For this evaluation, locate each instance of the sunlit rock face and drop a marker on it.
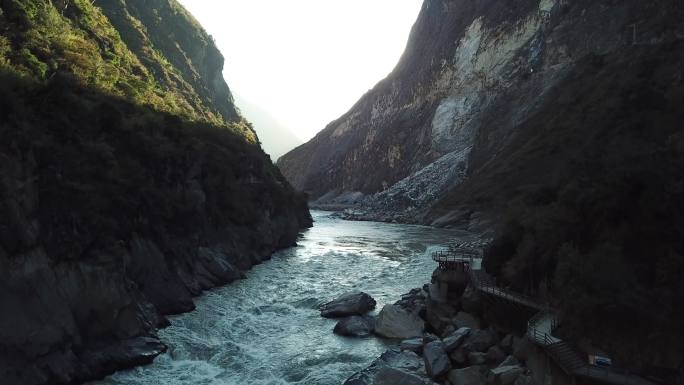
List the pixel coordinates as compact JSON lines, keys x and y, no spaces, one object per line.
{"x":466,"y":62}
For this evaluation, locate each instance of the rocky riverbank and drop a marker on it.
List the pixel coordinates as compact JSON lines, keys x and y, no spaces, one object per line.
{"x":442,"y":342}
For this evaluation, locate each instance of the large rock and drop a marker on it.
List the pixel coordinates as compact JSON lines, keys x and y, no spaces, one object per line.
{"x":439,"y":315}
{"x":395,"y":322}
{"x":471,"y":375}
{"x":454,"y":340}
{"x":356,"y":303}
{"x":505,"y":375}
{"x":414,"y":345}
{"x":355,"y":326}
{"x":480,"y":340}
{"x":467,"y":320}
{"x":413,"y":301}
{"x":392,"y":368}
{"x":436,"y":360}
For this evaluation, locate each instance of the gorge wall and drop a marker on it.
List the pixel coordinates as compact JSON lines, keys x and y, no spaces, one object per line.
{"x":553,"y":126}
{"x":129,"y":183}
{"x":423,"y":127}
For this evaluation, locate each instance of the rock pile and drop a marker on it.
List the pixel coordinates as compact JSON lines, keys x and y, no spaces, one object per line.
{"x":456,"y":345}
{"x":353,"y":306}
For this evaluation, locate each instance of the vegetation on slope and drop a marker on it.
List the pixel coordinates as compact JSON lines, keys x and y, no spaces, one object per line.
{"x":104,"y":168}
{"x":41,"y":38}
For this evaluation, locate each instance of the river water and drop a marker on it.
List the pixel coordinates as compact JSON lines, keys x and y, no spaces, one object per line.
{"x":266,"y":329}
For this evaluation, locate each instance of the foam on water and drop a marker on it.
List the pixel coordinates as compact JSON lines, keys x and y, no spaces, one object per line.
{"x":266,"y":329}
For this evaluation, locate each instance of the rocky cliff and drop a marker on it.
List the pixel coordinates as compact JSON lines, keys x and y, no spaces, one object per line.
{"x":129,"y":183}
{"x":555,"y":123}
{"x":465,"y":62}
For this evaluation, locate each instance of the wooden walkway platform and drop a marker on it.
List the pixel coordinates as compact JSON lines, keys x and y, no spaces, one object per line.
{"x":541,"y":326}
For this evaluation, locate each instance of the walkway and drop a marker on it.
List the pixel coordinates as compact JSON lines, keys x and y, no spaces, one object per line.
{"x":541,"y":326}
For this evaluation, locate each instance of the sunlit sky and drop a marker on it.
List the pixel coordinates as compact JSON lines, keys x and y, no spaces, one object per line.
{"x":306,"y":62}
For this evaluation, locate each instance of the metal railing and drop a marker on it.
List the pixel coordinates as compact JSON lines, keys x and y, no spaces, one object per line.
{"x":564,"y":354}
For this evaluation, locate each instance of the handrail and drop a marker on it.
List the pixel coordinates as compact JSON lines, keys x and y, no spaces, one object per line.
{"x":565,"y":355}
{"x":450,"y":256}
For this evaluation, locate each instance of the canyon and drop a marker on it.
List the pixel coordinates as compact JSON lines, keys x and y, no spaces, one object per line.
{"x":551,"y":127}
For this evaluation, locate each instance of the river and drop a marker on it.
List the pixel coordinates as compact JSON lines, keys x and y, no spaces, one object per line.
{"x":266,"y":329}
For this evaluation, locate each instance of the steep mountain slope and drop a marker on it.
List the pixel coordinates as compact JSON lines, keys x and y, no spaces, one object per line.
{"x":465,"y":61}
{"x":557,"y":123}
{"x":128,"y":184}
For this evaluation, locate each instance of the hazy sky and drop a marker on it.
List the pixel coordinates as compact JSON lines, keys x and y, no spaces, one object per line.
{"x":306,"y":62}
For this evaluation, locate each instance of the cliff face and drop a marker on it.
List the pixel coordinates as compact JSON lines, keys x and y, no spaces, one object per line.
{"x":128,"y":184}
{"x":465,"y":62}
{"x":557,"y":123}
{"x":166,"y":26}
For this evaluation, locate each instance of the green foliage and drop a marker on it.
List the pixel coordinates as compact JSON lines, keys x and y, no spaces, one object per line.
{"x":106,"y":169}
{"x":76,"y":37}
{"x":5,"y":50}
{"x":36,"y":67}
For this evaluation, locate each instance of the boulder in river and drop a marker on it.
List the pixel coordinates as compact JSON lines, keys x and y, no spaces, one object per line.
{"x":355,"y":326}
{"x":393,"y":367}
{"x":395,"y":322}
{"x":355,"y":303}
{"x":436,"y":360}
